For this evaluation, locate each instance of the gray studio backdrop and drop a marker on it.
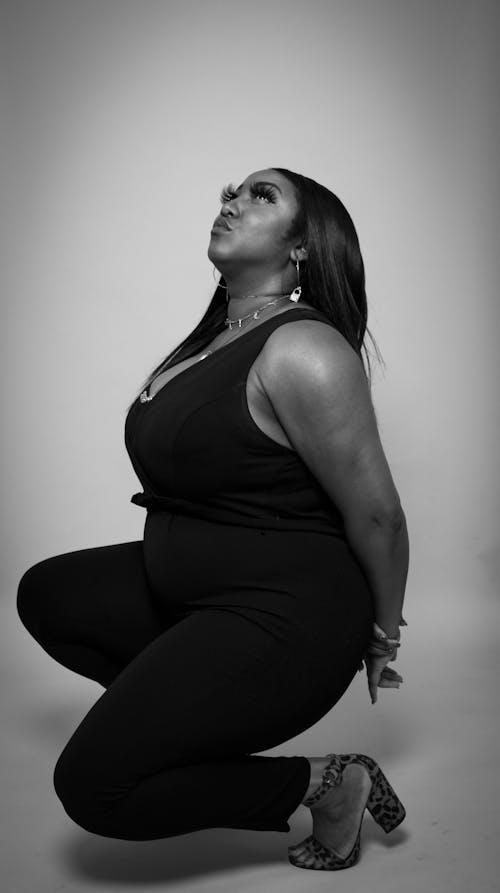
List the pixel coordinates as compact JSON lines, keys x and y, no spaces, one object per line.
{"x":123,"y":122}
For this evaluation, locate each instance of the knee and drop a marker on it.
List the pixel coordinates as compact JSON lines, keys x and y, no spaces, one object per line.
{"x":40,"y":598}
{"x":63,"y":780}
{"x":77,"y":792}
{"x":31,"y":600}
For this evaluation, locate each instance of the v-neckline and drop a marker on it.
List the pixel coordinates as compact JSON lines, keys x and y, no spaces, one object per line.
{"x":219,"y":350}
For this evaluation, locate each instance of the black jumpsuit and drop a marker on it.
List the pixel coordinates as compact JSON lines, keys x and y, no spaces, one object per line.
{"x":235,"y":625}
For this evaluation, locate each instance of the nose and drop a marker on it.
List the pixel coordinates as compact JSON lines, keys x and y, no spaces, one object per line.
{"x":229,"y":208}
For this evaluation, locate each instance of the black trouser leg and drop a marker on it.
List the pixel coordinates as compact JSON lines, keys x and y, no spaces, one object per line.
{"x":91,"y":609}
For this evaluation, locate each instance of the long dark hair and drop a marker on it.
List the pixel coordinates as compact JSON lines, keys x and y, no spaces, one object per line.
{"x":332,"y":278}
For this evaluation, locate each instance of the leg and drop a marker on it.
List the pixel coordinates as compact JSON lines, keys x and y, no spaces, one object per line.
{"x":167,"y":749}
{"x":350,"y":783}
{"x":336,"y":817}
{"x":91,"y":609}
{"x":265,"y":649}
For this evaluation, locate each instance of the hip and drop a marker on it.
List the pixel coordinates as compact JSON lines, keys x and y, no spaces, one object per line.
{"x":194,"y":561}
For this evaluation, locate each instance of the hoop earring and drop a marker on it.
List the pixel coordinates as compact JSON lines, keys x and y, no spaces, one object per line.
{"x":296,"y":293}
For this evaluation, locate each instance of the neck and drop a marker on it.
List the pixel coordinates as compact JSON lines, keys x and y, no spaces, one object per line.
{"x":268,"y":307}
{"x":247,"y":293}
{"x":248,"y":306}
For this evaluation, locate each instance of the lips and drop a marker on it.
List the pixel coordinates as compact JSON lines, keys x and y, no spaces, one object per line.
{"x":220,"y":223}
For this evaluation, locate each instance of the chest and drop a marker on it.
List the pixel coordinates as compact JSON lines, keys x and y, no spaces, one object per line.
{"x":259,"y":405}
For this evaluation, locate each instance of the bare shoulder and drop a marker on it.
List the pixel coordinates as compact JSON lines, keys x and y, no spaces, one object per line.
{"x":318,"y":389}
{"x":311,"y":352}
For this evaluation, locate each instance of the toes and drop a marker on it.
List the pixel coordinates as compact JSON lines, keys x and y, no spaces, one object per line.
{"x":299,"y":863}
{"x":307,"y":861}
{"x":302,"y":857}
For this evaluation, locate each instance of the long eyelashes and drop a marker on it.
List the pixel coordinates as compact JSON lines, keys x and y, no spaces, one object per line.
{"x":263,"y":190}
{"x":257,"y":190}
{"x":228,"y":193}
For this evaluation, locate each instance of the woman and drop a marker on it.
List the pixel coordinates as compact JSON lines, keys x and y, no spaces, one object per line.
{"x":274,"y":558}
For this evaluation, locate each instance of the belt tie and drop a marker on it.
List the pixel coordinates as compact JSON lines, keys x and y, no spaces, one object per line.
{"x":168,"y":503}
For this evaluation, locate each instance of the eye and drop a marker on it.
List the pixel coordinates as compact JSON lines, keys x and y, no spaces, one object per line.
{"x":263,"y":190}
{"x":227,"y":193}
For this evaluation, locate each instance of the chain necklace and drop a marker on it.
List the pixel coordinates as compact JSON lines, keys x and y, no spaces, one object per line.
{"x":255,"y":313}
{"x":239,"y":320}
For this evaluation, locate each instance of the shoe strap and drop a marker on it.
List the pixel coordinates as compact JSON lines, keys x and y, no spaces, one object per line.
{"x":332,"y":776}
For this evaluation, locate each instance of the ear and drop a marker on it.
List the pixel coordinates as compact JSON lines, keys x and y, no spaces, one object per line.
{"x":298,"y":253}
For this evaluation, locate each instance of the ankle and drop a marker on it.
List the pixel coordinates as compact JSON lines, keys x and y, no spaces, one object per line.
{"x":318,"y":765}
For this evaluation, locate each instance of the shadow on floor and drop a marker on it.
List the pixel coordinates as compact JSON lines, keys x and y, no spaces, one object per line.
{"x":202,"y":853}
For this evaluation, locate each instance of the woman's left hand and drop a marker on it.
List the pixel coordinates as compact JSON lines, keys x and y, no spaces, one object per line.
{"x":379,"y":674}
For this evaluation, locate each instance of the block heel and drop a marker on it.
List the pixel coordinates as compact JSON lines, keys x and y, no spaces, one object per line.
{"x":383,"y":804}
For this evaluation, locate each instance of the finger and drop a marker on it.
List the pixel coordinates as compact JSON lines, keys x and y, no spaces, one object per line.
{"x":391,"y":678}
{"x":372,"y":688}
{"x":373,"y":681}
{"x":389,"y":673}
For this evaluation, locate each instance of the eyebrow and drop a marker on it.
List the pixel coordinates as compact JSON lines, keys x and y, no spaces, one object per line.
{"x":262,"y":183}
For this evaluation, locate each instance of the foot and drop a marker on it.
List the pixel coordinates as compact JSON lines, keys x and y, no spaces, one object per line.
{"x":337,"y":817}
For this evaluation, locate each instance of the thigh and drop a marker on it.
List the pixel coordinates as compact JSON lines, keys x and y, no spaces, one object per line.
{"x":97,"y":597}
{"x":212,"y":686}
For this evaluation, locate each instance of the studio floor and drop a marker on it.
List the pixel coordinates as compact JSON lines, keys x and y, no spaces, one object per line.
{"x":436,"y":739}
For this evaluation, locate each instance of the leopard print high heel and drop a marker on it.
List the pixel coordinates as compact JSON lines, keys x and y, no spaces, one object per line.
{"x":382,"y":803}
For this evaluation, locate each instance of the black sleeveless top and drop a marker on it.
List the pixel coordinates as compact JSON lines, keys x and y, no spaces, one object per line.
{"x":197,"y":450}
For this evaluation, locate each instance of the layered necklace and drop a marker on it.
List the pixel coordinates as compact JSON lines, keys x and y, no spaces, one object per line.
{"x":253,"y":315}
{"x":146,"y":398}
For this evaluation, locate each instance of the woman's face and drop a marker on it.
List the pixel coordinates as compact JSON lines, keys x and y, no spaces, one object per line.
{"x":252,"y":227}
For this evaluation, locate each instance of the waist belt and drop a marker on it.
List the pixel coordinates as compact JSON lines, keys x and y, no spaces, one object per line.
{"x":177,"y":505}
{"x":167,"y":503}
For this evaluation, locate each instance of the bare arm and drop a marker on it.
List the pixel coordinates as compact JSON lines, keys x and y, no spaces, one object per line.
{"x":382,"y":549}
{"x":317,"y":387}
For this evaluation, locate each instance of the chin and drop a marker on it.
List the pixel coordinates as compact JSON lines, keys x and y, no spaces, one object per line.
{"x":214,"y":255}
{"x":212,"y":251}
